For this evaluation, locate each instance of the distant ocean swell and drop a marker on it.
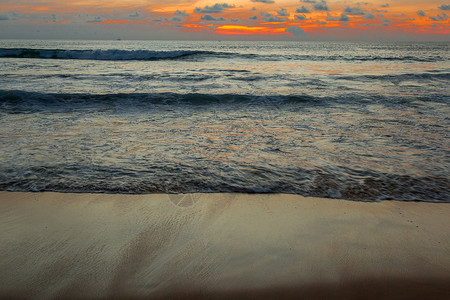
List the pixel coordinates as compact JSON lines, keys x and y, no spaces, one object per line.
{"x":142,"y":55}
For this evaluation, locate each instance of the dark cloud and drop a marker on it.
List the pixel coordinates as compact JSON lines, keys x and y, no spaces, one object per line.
{"x":421,"y":13}
{"x":264,"y":1}
{"x":380,"y":10}
{"x":296,"y":31}
{"x":369,"y":16}
{"x":4,"y":17}
{"x":135,"y":15}
{"x":234,"y":20}
{"x":344,"y":18}
{"x":385,"y":5}
{"x":255,"y":17}
{"x":271,"y":18}
{"x":181,"y":13}
{"x":444,"y":7}
{"x":353,"y":11}
{"x":442,"y":17}
{"x":302,"y":10}
{"x":275,"y":19}
{"x":283,"y":12}
{"x":321,"y":6}
{"x":215,"y":9}
{"x":176,"y":19}
{"x":211,"y":18}
{"x":309,"y":1}
{"x":96,"y":19}
{"x":300,"y":17}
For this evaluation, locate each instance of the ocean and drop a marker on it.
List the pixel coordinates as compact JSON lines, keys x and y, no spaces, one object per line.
{"x":357,"y":121}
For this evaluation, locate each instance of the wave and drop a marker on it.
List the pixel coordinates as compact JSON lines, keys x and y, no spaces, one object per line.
{"x":13,"y":101}
{"x":143,"y":55}
{"x":29,"y":102}
{"x":97,"y":54}
{"x":341,"y":183}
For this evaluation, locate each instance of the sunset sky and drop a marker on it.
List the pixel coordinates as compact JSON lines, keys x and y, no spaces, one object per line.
{"x":209,"y":20}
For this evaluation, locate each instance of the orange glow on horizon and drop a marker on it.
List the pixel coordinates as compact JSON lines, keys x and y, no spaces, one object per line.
{"x":245,"y":30}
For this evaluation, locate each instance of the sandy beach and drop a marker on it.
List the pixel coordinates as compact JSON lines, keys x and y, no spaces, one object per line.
{"x":221,"y":246}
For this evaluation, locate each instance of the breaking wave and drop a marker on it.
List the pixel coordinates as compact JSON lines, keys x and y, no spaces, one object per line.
{"x":142,"y":55}
{"x":97,"y":54}
{"x":340,"y":183}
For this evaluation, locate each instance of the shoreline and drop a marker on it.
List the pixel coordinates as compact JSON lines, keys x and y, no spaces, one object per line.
{"x":220,"y":246}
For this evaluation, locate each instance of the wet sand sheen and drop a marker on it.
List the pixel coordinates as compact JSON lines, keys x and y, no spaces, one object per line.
{"x":221,"y":246}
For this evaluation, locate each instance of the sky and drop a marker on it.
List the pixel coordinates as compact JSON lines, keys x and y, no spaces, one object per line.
{"x":374,"y":20}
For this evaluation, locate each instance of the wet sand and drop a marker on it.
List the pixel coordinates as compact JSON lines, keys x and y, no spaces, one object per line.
{"x":221,"y":246}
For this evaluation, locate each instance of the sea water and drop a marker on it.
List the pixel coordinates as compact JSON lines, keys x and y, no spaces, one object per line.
{"x":361,"y":121}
